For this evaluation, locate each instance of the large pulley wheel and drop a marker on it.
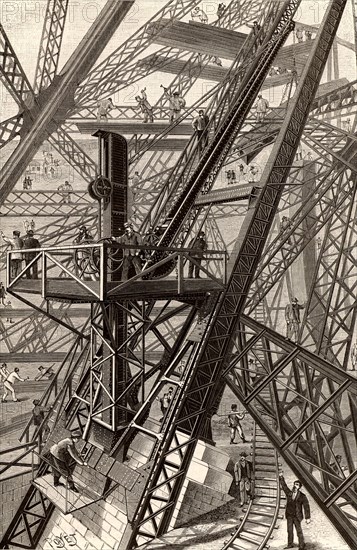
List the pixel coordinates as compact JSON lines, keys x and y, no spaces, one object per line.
{"x":100,"y":188}
{"x":115,"y":257}
{"x":83,"y":259}
{"x":161,"y":271}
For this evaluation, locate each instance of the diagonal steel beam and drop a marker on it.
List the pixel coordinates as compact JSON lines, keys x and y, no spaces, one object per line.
{"x":50,"y":46}
{"x":52,"y":108}
{"x":12,"y":74}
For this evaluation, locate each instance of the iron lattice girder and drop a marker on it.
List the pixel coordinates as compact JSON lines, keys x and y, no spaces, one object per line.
{"x":74,"y":154}
{"x":281,"y":254}
{"x":331,"y":310}
{"x":9,"y":129}
{"x":47,"y":204}
{"x":40,"y":331}
{"x":203,"y":381}
{"x":28,"y":525}
{"x":234,"y":99}
{"x":325,"y":199}
{"x":319,"y":135}
{"x":354,"y":13}
{"x":103,"y":80}
{"x":186,"y":78}
{"x":12,"y":74}
{"x":342,"y":99}
{"x":53,"y":112}
{"x":291,"y":374}
{"x":50,"y":46}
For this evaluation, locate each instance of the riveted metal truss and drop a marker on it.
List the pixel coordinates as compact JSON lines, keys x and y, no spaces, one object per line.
{"x":12,"y":74}
{"x":9,"y":129}
{"x":103,"y":80}
{"x":313,"y":404}
{"x":51,"y":40}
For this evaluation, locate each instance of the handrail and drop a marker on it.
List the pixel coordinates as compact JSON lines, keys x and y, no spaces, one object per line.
{"x":115,"y":245}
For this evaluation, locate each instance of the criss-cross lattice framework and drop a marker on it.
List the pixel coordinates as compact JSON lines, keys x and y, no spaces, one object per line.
{"x":336,"y":499}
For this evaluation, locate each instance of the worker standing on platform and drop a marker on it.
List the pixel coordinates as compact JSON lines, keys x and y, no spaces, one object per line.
{"x":104,"y":108}
{"x":199,"y":124}
{"x":65,"y":190}
{"x":9,"y":384}
{"x":261,"y":107}
{"x":16,"y":243}
{"x":292,"y":317}
{"x":234,"y":423}
{"x":243,"y":478}
{"x":64,"y":457}
{"x":197,"y":13}
{"x":198,"y":246}
{"x":176,"y":103}
{"x":253,"y":172}
{"x":145,"y":107}
{"x":31,"y":242}
{"x":131,"y":256}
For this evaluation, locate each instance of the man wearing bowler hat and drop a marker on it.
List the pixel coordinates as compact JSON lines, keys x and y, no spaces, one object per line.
{"x":297,"y":505}
{"x":31,"y":242}
{"x":243,"y":477}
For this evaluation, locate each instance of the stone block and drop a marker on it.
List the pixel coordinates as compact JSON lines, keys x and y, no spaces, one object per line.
{"x":197,"y":471}
{"x":215,"y":457}
{"x":117,"y":532}
{"x":107,"y":539}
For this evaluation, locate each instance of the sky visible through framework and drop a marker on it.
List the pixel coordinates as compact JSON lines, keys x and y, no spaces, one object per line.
{"x":23,"y":20}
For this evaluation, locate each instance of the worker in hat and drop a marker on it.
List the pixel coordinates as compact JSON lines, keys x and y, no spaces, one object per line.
{"x":234,"y":423}
{"x":38,"y":417}
{"x":243,"y":478}
{"x":16,"y":243}
{"x":31,"y":242}
{"x":198,"y":245}
{"x":200,"y":125}
{"x":131,"y":255}
{"x":176,"y":103}
{"x":292,"y":317}
{"x":64,"y":457}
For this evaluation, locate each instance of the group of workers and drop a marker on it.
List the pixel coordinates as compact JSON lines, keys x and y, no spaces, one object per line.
{"x":17,"y":243}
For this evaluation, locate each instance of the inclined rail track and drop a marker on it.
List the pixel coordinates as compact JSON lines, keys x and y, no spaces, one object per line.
{"x":261,"y":514}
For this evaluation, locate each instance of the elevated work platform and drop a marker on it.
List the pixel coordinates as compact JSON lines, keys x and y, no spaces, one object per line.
{"x":216,"y":41}
{"x":73,"y":292}
{"x":133,"y":127}
{"x":105,"y":272}
{"x":198,"y":37}
{"x":209,"y":72}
